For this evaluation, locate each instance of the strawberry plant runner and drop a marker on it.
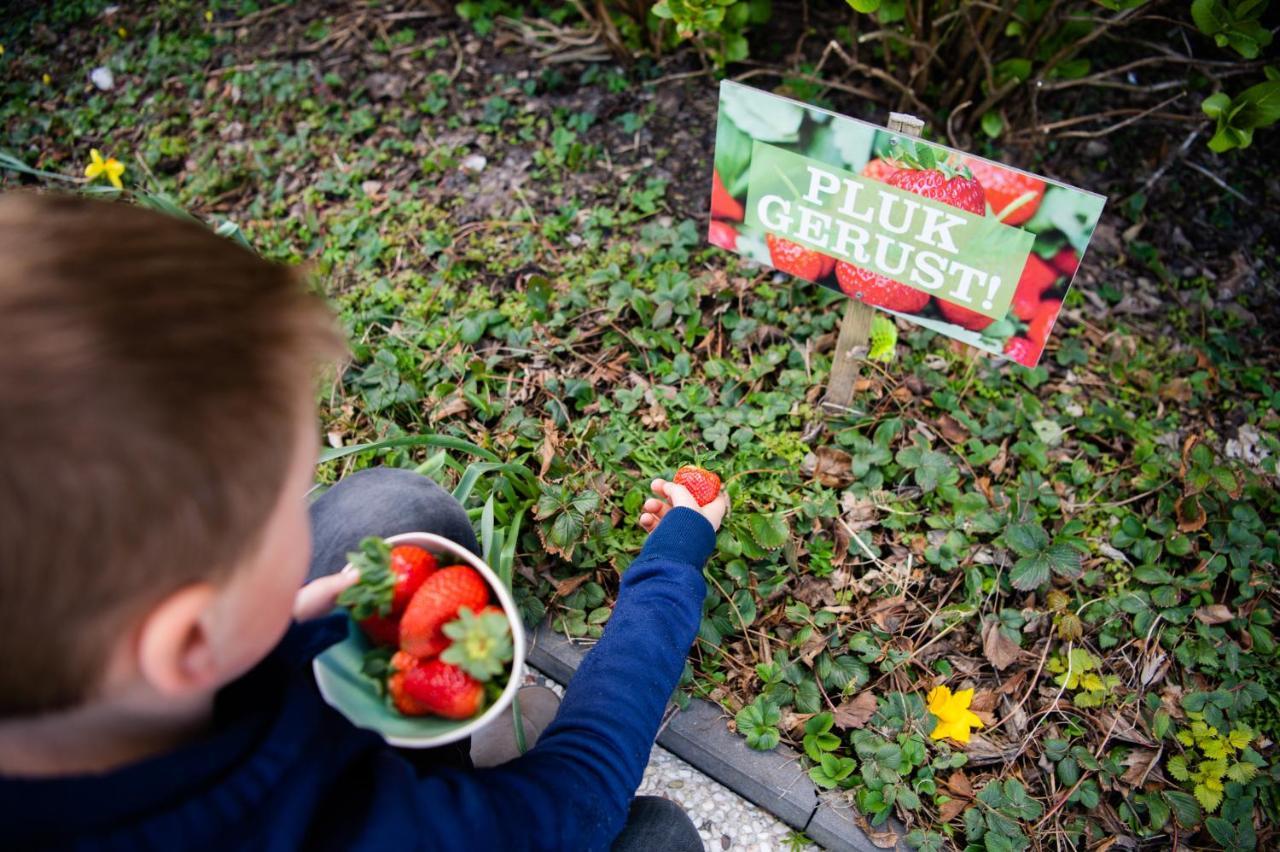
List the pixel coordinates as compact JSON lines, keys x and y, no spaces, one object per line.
{"x":855,"y":327}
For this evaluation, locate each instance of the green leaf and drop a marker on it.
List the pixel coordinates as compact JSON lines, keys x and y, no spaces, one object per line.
{"x":758,"y":723}
{"x":1262,"y":105}
{"x":932,"y":470}
{"x":819,"y":724}
{"x":1019,"y":804}
{"x":866,"y":7}
{"x":481,"y":643}
{"x":446,"y":441}
{"x":1048,"y":431}
{"x":1208,"y":798}
{"x":1026,"y":539}
{"x":1185,"y":808}
{"x":372,"y":594}
{"x":1216,"y":104}
{"x":768,"y":531}
{"x":992,"y":124}
{"x":1017,"y":68}
{"x":1210,"y":16}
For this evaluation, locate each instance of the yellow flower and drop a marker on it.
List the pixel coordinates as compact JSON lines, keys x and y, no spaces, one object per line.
{"x":208,"y":15}
{"x":954,"y":716}
{"x":46,"y":79}
{"x":122,"y":32}
{"x":111,"y":167}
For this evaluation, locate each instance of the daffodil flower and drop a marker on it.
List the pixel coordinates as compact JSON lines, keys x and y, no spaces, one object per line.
{"x":954,"y":716}
{"x":111,"y":167}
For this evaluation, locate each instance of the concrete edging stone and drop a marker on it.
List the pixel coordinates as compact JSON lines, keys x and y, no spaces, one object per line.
{"x":773,"y":780}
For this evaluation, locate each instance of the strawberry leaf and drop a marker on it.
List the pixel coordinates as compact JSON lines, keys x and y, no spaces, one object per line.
{"x":481,"y":643}
{"x":372,"y":594}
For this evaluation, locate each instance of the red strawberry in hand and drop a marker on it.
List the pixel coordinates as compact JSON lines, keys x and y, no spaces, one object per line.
{"x":444,"y":690}
{"x":1005,"y":186}
{"x":724,"y":205}
{"x":435,"y":604}
{"x":1022,"y":350}
{"x":1042,"y":322}
{"x":875,"y":289}
{"x":388,"y":579}
{"x":700,"y":482}
{"x":795,"y":259}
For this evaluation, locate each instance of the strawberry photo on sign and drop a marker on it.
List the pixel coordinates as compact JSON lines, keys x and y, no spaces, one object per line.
{"x":966,"y":247}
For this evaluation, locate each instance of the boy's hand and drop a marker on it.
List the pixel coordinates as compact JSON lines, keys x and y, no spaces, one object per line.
{"x":319,"y":597}
{"x":671,"y":495}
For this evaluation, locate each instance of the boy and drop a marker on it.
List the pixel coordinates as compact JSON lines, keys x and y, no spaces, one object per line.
{"x":158,"y":432}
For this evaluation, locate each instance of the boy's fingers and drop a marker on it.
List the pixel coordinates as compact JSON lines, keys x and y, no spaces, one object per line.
{"x":648,"y":522}
{"x":716,"y":510}
{"x":319,"y":597}
{"x":655,"y":507}
{"x":680,"y":496}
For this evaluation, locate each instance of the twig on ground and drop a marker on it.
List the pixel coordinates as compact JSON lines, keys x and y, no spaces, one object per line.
{"x":1220,"y":182}
{"x":1172,"y":158}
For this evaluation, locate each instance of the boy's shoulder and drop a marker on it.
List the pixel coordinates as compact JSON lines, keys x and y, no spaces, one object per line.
{"x":276,"y":761}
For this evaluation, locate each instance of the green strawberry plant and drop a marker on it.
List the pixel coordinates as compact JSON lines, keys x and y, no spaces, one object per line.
{"x":1214,"y":759}
{"x":995,"y":821}
{"x":758,"y":722}
{"x":1078,"y":673}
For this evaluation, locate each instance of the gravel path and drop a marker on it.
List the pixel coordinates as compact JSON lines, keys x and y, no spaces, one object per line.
{"x":726,"y":821}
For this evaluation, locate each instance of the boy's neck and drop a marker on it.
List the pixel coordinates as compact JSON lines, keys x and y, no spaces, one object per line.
{"x":98,"y":737}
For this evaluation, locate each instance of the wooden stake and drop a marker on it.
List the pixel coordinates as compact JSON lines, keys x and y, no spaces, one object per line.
{"x":855,"y":327}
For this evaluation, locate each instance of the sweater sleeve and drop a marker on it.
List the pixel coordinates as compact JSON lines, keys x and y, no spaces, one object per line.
{"x":573,"y":790}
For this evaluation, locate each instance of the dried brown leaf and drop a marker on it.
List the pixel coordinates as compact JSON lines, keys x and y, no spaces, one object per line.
{"x":951,"y":809}
{"x":1002,"y":458}
{"x":984,"y":701}
{"x":814,"y":591}
{"x":951,"y":429}
{"x":455,"y":404}
{"x":958,"y":785}
{"x":1191,"y":514}
{"x":550,"y":440}
{"x":855,"y":712}
{"x":1000,"y":650}
{"x":568,"y":586}
{"x":830,"y":466}
{"x":1214,"y":614}
{"x":882,"y":839}
{"x":1139,"y":761}
{"x":812,"y":648}
{"x":982,"y":750}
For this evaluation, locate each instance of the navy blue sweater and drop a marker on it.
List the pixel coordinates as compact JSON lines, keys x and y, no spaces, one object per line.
{"x":282,"y":770}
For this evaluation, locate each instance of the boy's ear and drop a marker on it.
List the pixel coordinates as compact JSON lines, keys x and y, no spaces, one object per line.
{"x":174,"y":651}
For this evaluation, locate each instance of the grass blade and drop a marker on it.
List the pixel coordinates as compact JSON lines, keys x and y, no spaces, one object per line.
{"x":447,"y":441}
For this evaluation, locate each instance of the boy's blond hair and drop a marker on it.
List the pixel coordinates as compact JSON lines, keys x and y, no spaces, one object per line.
{"x":152,"y":375}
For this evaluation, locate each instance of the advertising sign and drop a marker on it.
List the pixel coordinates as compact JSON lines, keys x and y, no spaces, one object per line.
{"x":965,"y":246}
